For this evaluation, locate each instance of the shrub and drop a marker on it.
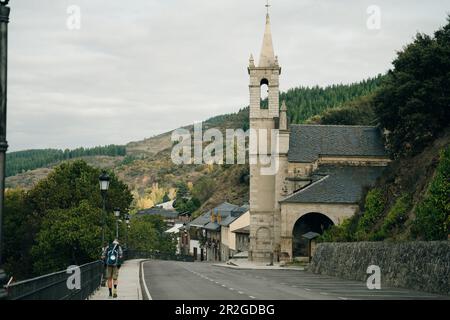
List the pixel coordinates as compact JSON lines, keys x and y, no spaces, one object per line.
{"x":433,"y":213}
{"x":398,"y":213}
{"x":374,"y":206}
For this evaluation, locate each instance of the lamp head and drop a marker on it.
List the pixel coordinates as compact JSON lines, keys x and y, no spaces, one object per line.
{"x":104,"y":180}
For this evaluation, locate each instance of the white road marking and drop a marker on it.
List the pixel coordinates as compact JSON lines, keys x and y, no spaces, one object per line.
{"x":145,"y":284}
{"x":240,"y":292}
{"x":251,"y":297}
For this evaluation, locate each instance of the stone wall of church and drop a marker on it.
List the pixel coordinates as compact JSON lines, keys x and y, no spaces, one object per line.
{"x":291,"y":212}
{"x":261,"y":236}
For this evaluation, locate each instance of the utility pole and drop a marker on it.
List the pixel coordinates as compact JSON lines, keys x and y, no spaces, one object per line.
{"x":4,"y":19}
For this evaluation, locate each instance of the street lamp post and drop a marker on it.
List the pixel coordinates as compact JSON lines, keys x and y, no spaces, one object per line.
{"x":117,"y":215}
{"x":127,"y":221}
{"x":104,"y":186}
{"x":4,"y":19}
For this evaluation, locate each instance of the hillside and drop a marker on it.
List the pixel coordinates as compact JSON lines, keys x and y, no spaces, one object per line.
{"x":22,"y":161}
{"x":397,"y":208}
{"x":146,"y":166}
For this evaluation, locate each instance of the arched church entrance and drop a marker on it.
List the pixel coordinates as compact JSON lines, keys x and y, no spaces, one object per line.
{"x":315,"y":222}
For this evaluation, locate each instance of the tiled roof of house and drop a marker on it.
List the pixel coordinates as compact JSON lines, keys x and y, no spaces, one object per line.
{"x":308,"y":142}
{"x":337,"y":184}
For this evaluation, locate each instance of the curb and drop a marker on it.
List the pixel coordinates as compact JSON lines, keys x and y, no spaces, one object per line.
{"x":258,"y":268}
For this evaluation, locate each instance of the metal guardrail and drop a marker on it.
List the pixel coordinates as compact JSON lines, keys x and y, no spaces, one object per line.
{"x":54,"y":286}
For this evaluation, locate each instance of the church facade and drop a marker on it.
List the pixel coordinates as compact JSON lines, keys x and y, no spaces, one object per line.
{"x":322,"y":171}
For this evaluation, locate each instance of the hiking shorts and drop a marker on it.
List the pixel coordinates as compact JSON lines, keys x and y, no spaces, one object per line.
{"x":112,"y":272}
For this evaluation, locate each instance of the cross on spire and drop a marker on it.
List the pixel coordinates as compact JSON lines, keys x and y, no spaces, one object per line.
{"x":268,"y":6}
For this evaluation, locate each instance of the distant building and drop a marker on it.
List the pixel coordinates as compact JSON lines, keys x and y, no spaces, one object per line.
{"x":166,"y":205}
{"x":239,"y":234}
{"x":242,"y":239}
{"x":176,"y":230}
{"x":214,"y":228}
{"x":170,"y":216}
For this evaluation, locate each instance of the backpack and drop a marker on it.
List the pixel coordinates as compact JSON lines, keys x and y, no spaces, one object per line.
{"x":112,"y":256}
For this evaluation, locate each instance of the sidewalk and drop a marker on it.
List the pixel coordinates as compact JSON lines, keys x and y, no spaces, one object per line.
{"x":245,"y":264}
{"x":128,"y":288}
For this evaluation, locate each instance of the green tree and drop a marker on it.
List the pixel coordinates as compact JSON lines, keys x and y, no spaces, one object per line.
{"x":72,"y":182}
{"x":166,"y":198}
{"x":182,"y":190}
{"x":357,"y":112}
{"x":68,"y":236}
{"x":433,"y":213}
{"x":413,"y":103}
{"x":19,"y":227}
{"x":373,"y":208}
{"x":147,"y":233}
{"x":204,"y":188}
{"x":57,"y":223}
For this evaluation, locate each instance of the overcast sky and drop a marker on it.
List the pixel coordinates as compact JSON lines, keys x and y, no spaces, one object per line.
{"x":140,"y":67}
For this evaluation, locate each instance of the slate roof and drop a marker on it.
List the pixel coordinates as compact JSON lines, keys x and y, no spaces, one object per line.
{"x":228,"y":212}
{"x":224,"y":209}
{"x":308,"y":142}
{"x":244,"y":230}
{"x":228,"y":220}
{"x":240,"y":210}
{"x":213,"y":226}
{"x":336,"y":184}
{"x":165,"y":213}
{"x":201,"y":220}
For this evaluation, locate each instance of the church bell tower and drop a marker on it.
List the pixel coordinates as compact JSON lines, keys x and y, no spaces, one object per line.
{"x":264,"y":116}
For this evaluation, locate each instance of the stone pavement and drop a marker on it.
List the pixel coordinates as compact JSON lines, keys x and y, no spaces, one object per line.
{"x":244,"y":264}
{"x":128,"y":288}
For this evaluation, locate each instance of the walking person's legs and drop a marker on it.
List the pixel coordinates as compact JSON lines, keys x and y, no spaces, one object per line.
{"x":115,"y":277}
{"x":109,"y":277}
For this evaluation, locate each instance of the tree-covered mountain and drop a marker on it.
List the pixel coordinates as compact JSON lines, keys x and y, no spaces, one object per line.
{"x":20,"y":161}
{"x":304,"y":102}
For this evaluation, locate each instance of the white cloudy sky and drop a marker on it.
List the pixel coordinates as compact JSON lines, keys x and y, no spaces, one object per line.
{"x":141,"y":67}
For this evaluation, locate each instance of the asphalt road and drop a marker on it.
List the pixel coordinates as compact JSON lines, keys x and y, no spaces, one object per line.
{"x":170,"y":280}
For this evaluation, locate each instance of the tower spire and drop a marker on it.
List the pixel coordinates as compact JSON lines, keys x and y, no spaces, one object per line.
{"x":267,"y":56}
{"x":268,"y":6}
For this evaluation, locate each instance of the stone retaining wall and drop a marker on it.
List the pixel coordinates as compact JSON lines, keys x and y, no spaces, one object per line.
{"x":415,"y":265}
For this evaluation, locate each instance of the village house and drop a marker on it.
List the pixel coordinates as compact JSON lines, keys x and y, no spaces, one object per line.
{"x":213,"y":228}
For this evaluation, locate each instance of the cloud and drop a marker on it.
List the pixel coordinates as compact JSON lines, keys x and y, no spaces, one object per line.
{"x":143,"y":67}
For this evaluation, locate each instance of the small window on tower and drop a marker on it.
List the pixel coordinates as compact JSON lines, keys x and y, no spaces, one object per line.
{"x":264,"y":94}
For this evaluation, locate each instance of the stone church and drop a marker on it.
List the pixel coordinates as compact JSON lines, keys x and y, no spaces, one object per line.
{"x":322,"y":173}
